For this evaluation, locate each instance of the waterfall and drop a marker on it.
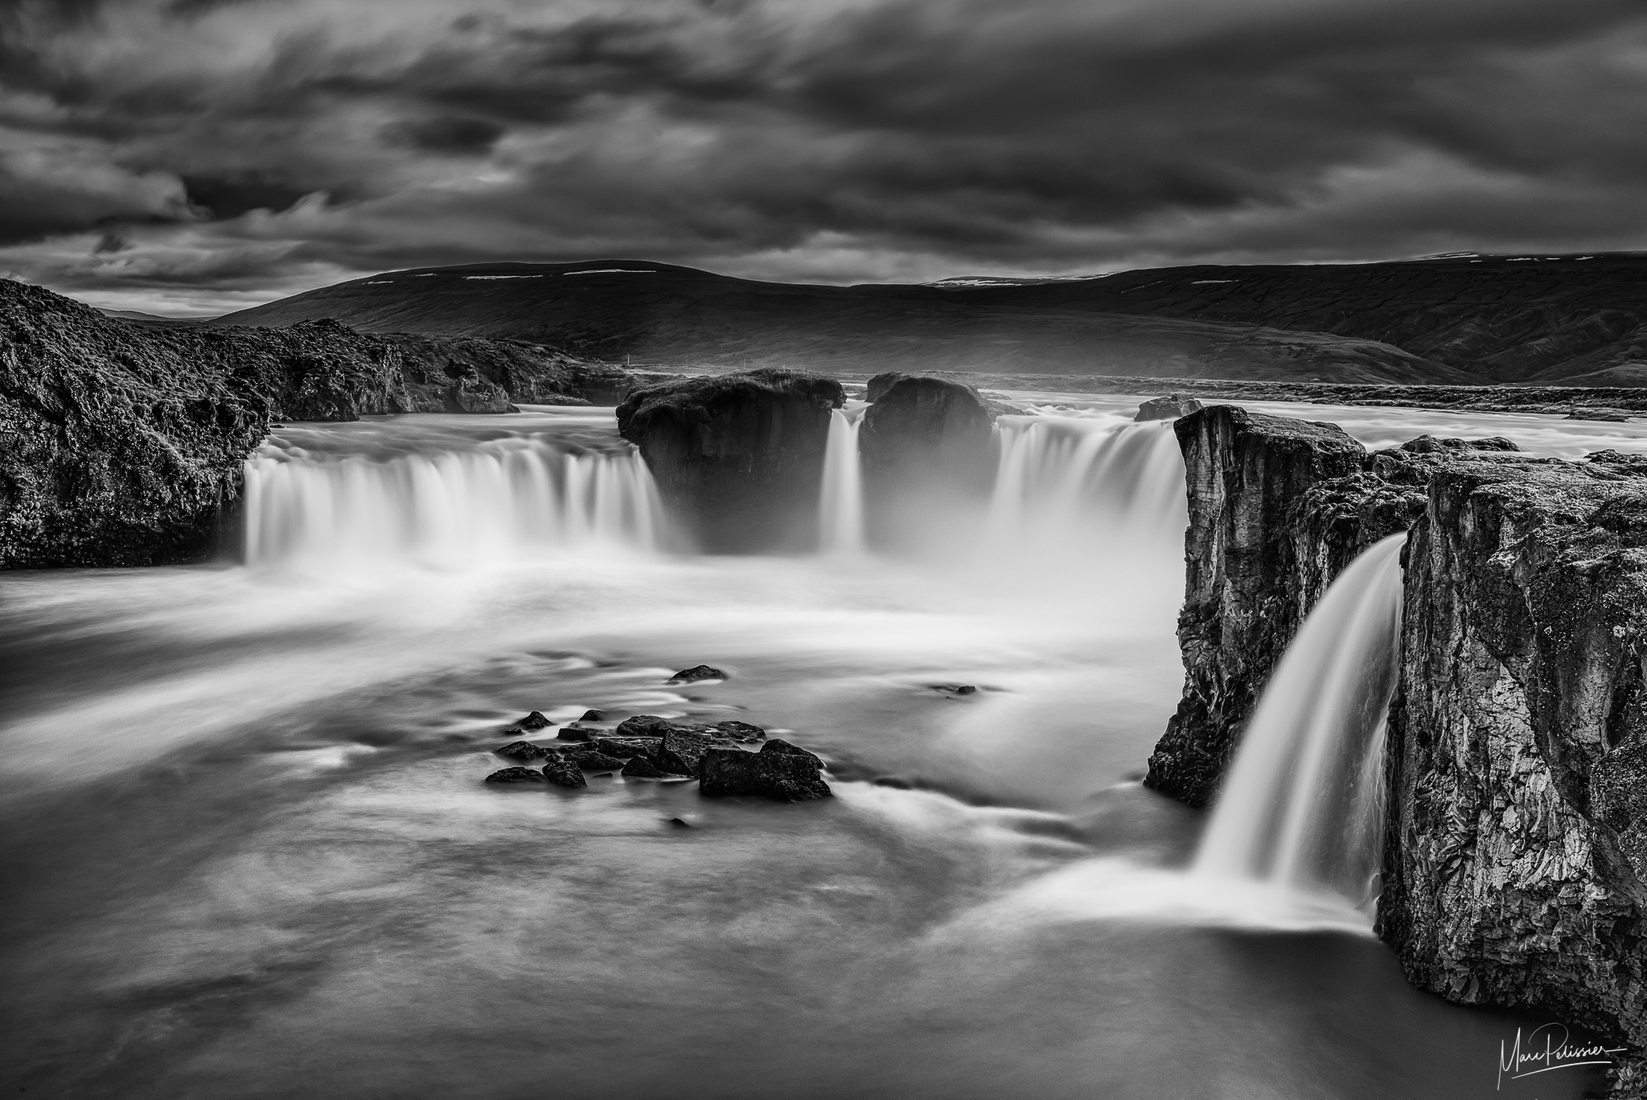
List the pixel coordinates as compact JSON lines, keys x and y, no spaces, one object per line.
{"x":1302,"y":805}
{"x":841,"y":503}
{"x":493,"y":500}
{"x":1058,"y":474}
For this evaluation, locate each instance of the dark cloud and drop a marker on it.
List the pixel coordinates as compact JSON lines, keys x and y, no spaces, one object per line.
{"x":269,"y":142}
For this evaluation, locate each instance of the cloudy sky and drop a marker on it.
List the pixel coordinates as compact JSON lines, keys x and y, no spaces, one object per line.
{"x":192,"y":156}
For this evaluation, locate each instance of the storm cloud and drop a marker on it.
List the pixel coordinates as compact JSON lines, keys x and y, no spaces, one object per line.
{"x":242,"y":149}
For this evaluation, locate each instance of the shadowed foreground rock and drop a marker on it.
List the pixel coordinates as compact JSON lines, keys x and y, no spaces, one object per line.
{"x":738,"y":458}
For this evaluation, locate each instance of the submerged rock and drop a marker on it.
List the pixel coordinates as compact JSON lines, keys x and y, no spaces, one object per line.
{"x":697,"y":674}
{"x":561,"y":771}
{"x":738,"y":458}
{"x":778,"y":771}
{"x":522,"y":750}
{"x":1170,"y":407}
{"x":508,"y":776}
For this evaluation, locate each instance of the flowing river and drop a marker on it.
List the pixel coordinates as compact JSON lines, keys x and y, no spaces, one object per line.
{"x":248,"y":852}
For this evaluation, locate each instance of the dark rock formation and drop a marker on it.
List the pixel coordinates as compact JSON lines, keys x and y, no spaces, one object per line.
{"x":625,"y":747}
{"x":744,"y":732}
{"x":515,"y":776}
{"x":1170,"y":407}
{"x":643,"y":725}
{"x":738,"y":458}
{"x":596,"y":762}
{"x":928,"y":448}
{"x":696,"y":674}
{"x":1516,"y":852}
{"x":562,"y":772}
{"x":579,"y":732}
{"x":639,"y":767}
{"x":778,"y":771}
{"x":123,"y":443}
{"x":1278,"y":508}
{"x":592,"y":716}
{"x":523,"y":751}
{"x":533,"y":721}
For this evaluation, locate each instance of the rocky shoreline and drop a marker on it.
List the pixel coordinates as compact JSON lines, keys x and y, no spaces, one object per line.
{"x":1515,"y":857}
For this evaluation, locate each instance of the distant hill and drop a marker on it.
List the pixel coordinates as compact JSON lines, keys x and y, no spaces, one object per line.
{"x":145,"y":318}
{"x":1453,"y":320}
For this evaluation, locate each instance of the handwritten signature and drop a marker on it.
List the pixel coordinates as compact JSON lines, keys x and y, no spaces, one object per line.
{"x":1548,"y":1047}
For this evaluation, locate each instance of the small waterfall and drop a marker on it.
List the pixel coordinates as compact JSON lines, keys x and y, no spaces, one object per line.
{"x":841,"y":503}
{"x":1057,"y":473}
{"x":495,"y":500}
{"x":1302,"y":806}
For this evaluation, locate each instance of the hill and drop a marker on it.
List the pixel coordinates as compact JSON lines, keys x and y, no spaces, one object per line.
{"x":1454,"y":320}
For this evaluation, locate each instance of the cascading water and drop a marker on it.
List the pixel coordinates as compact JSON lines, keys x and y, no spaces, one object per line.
{"x":1057,"y":473}
{"x":1302,"y":806}
{"x":841,"y":503}
{"x":455,"y":503}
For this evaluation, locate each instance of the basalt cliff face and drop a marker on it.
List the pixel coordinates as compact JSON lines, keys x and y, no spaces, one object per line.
{"x":929,"y":452}
{"x":1278,"y":507}
{"x":1516,"y":843}
{"x":1516,"y":851}
{"x":122,"y":443}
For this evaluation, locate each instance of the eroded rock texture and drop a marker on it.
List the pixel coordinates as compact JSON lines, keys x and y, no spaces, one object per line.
{"x":1517,"y":837}
{"x":738,"y":458}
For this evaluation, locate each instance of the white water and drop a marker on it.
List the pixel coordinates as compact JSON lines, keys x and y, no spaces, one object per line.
{"x":841,"y":503}
{"x":1301,"y":808}
{"x":316,"y":497}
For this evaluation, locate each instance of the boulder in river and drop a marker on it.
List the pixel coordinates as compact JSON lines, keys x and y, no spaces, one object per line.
{"x":625,"y":747}
{"x":738,"y":458}
{"x":523,"y":751}
{"x":778,"y":771}
{"x":579,"y":732}
{"x":513,"y":776}
{"x":534,"y":721}
{"x":697,"y":674}
{"x":743,"y":732}
{"x":563,"y":772}
{"x":639,"y":767}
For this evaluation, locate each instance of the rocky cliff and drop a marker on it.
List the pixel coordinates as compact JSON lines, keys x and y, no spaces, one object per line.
{"x":120,"y":443}
{"x":1278,"y":507}
{"x":1516,"y":852}
{"x":928,"y":452}
{"x":1516,"y":845}
{"x":738,"y":458}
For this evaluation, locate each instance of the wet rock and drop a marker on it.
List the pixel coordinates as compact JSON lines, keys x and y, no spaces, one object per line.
{"x":680,"y":823}
{"x":626,"y":747}
{"x":577,"y":732}
{"x":643,"y":725}
{"x":523,"y":751}
{"x":597,"y":762}
{"x":786,"y":776}
{"x":697,"y":674}
{"x":509,"y":776}
{"x":1431,"y":444}
{"x":742,"y":732}
{"x":592,"y":716}
{"x":954,"y":689}
{"x":563,"y":772}
{"x":738,"y":458}
{"x":534,"y":721}
{"x":779,"y":747}
{"x":1170,"y":407}
{"x":681,"y":750}
{"x":639,"y":767}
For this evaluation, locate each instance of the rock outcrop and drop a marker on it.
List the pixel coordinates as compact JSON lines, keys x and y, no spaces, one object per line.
{"x":928,"y":448}
{"x":1516,"y":844}
{"x":122,"y":443}
{"x":1278,"y":507}
{"x":738,"y":458}
{"x":1516,"y":849}
{"x":1170,"y":407}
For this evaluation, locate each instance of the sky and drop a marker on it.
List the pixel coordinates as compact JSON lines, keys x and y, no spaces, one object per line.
{"x":190,"y":157}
